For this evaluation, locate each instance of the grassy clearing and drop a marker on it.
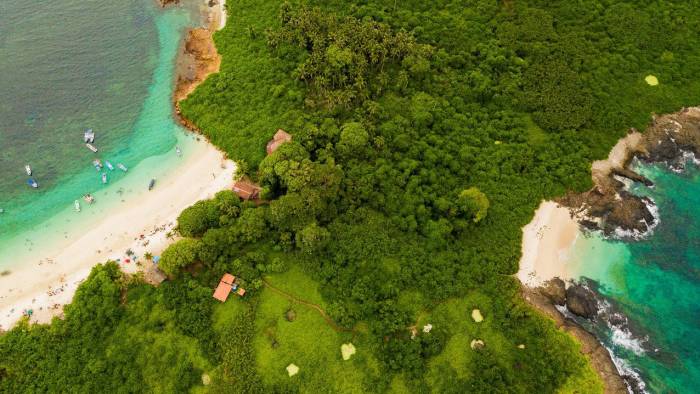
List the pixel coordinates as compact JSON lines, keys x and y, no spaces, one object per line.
{"x":308,"y":341}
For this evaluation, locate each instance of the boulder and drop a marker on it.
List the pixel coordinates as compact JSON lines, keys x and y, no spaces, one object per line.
{"x":476,"y":316}
{"x":581,"y":301}
{"x":555,"y":290}
{"x":290,"y":315}
{"x":347,"y":350}
{"x":477,"y":344}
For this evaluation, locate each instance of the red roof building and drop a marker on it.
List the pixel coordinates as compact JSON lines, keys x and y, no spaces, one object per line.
{"x":224,"y":289}
{"x":246,"y":190}
{"x":278,"y":139}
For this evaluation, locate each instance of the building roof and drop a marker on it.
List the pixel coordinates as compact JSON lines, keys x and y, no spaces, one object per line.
{"x":246,"y":190}
{"x":278,"y":139}
{"x":222,"y":291}
{"x":241,"y":291}
{"x":228,"y":279}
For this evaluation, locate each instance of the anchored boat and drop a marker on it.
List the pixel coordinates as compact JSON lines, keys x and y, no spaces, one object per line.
{"x":89,"y":136}
{"x":122,"y":167}
{"x":109,"y":165}
{"x":89,"y":198}
{"x":32,"y":182}
{"x":98,"y":164}
{"x":151,"y":184}
{"x":104,"y":177}
{"x":76,"y":204}
{"x":91,"y":147}
{"x":28,"y":170}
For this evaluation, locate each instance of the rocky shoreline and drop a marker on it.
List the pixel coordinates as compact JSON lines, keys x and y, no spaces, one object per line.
{"x":608,"y":207}
{"x":602,"y":363}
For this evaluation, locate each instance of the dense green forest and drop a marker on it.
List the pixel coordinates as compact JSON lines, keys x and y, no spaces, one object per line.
{"x":425,"y":134}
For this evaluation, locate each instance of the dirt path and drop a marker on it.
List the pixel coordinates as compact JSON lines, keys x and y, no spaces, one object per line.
{"x":320,"y":310}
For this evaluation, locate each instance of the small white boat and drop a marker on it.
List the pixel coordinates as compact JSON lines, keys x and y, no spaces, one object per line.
{"x":91,"y":147}
{"x":122,"y":167}
{"x":89,"y":136}
{"x":98,"y":164}
{"x":28,"y":169}
{"x":178,"y":151}
{"x":76,"y":204}
{"x":33,"y":183}
{"x":104,"y":177}
{"x":89,"y":198}
{"x":109,"y":165}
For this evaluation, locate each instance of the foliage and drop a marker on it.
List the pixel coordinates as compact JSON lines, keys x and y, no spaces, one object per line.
{"x":179,"y":255}
{"x":424,"y":136}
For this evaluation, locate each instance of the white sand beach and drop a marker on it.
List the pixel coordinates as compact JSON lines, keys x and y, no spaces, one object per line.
{"x":546,"y":242}
{"x":47,"y":283}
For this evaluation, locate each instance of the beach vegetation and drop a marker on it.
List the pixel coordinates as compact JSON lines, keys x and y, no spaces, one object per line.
{"x":425,"y":134}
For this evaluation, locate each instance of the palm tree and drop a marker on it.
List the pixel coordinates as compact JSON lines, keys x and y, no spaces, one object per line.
{"x":148,"y":256}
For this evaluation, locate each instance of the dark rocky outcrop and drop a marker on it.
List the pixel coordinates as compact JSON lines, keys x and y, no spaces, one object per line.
{"x":608,"y":207}
{"x":599,"y":356}
{"x":581,"y":301}
{"x":555,"y":290}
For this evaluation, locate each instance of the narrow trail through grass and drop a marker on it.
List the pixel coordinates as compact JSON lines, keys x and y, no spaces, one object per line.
{"x":318,"y":308}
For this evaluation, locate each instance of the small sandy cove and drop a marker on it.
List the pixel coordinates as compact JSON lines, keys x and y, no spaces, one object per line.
{"x":140,"y":225}
{"x":546,"y":242}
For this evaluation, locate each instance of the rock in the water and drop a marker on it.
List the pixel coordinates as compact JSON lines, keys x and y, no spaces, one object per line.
{"x":477,"y":344}
{"x":581,"y":301}
{"x":555,"y":290}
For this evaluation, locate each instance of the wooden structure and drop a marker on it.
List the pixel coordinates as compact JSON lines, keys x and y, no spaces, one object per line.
{"x":227,"y":284}
{"x":278,"y":139}
{"x":224,"y":289}
{"x":246,"y":190}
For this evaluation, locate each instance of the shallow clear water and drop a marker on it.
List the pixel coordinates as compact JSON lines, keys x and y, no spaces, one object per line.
{"x":68,"y":65}
{"x":655,"y":282}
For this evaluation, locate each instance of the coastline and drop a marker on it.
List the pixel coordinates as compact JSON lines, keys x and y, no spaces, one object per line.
{"x":609,"y":208}
{"x":46,"y":279}
{"x":46,"y":286}
{"x":547,"y":240}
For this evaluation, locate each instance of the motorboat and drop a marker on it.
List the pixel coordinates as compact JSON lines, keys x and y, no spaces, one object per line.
{"x":151,"y":184}
{"x":76,"y":204}
{"x":109,"y":165}
{"x":104,"y":177}
{"x":98,"y":164}
{"x":89,"y":198}
{"x":178,"y":151}
{"x":122,"y":167}
{"x":32,"y":182}
{"x":28,"y":169}
{"x":89,"y":136}
{"x":91,"y":147}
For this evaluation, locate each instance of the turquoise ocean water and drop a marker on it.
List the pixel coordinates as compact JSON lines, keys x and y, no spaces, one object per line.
{"x":655,"y":283}
{"x":68,"y":65}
